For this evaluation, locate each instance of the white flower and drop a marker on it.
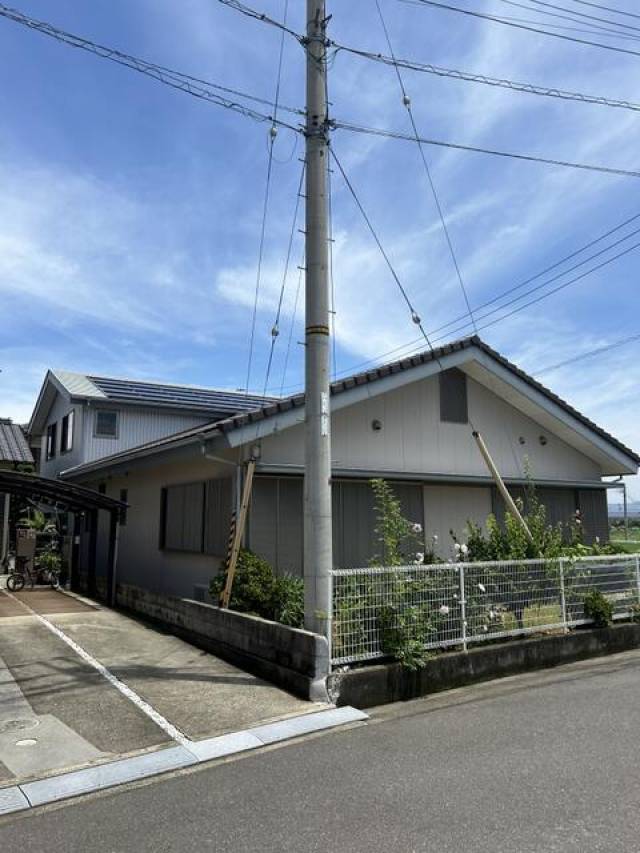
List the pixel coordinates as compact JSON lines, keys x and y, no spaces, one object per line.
{"x":444,"y":610}
{"x":456,"y":547}
{"x":455,"y":595}
{"x":416,"y":527}
{"x":484,"y":628}
{"x":597,"y":540}
{"x":419,"y":557}
{"x":434,"y":538}
{"x":492,"y":614}
{"x":482,"y":587}
{"x":464,"y":549}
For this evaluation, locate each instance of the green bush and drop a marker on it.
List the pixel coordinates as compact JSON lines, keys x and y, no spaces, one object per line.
{"x":598,"y":608}
{"x":258,"y":591}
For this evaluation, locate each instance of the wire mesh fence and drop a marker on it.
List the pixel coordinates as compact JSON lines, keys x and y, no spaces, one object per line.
{"x":455,"y":604}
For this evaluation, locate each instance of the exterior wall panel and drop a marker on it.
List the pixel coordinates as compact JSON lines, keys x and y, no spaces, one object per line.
{"x":414,"y":440}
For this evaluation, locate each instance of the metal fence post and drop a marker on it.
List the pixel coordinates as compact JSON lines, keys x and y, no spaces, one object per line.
{"x":638,"y":574}
{"x":463,"y":609}
{"x":563,"y":600}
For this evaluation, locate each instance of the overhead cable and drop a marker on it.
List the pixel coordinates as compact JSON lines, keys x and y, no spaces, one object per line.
{"x":261,"y":16}
{"x":392,"y":134}
{"x":407,"y":103}
{"x":500,"y":20}
{"x":415,"y":317}
{"x":527,"y":88}
{"x":211,"y":92}
{"x":273,"y":132}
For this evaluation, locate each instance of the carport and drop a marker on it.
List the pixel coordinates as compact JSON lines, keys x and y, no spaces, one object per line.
{"x":85,"y":505}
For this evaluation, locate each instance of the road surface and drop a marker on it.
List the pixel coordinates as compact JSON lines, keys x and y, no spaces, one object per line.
{"x":543,"y":762}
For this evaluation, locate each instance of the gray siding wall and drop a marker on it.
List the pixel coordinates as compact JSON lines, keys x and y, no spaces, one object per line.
{"x":414,"y":440}
{"x":52,"y":467}
{"x":135,"y":426}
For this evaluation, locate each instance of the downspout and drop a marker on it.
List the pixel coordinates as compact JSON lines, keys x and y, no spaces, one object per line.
{"x":622,"y":485}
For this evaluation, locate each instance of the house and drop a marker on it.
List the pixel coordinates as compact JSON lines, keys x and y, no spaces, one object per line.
{"x":14,"y":452}
{"x":410,"y":422}
{"x":78,"y":419}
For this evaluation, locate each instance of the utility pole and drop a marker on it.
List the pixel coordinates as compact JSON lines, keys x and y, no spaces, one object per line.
{"x":318,"y":551}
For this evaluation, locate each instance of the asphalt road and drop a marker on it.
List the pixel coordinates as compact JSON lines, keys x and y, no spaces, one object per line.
{"x":536,"y":763}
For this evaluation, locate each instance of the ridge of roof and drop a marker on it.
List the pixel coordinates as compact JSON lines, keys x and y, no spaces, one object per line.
{"x":285,"y":404}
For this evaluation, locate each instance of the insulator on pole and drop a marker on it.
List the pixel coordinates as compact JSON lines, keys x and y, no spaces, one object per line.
{"x":416,"y":318}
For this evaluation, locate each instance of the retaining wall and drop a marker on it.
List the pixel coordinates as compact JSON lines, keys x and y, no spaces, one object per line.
{"x":294,"y":659}
{"x":381,"y":684}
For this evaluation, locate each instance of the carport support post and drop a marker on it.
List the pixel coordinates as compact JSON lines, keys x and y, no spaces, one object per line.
{"x":5,"y":529}
{"x":318,"y":557}
{"x":114,"y":526}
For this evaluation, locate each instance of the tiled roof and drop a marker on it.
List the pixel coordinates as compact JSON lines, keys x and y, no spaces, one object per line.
{"x":13,"y":444}
{"x":284,"y":404}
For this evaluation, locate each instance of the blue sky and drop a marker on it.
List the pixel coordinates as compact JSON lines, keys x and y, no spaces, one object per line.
{"x":130,"y":214}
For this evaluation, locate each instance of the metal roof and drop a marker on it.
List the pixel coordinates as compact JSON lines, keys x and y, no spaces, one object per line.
{"x":275,"y":407}
{"x":13,"y":444}
{"x":210,"y":400}
{"x":65,"y":496}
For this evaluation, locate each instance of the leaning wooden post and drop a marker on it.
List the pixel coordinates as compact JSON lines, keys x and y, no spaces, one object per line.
{"x":225,"y":596}
{"x":513,"y":509}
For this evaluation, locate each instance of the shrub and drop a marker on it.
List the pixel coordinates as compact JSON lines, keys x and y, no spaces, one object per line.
{"x":598,"y":608}
{"x":258,"y":591}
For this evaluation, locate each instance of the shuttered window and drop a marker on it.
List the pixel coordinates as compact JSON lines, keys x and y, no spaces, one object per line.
{"x":217,"y":516}
{"x":195,"y":517}
{"x":276,"y":522}
{"x":453,"y":397}
{"x":595,"y":514}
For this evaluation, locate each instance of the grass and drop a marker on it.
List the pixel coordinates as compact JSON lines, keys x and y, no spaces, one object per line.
{"x":626,"y":546}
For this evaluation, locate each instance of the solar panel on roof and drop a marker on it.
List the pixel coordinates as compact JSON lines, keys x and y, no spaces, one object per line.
{"x":211,"y":401}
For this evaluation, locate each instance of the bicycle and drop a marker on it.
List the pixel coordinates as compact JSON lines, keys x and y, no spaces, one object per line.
{"x":19,"y":575}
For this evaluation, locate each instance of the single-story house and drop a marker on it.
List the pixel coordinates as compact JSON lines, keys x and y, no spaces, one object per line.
{"x":409,"y":422}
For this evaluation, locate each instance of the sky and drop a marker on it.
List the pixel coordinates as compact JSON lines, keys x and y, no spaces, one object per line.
{"x":131,"y":214}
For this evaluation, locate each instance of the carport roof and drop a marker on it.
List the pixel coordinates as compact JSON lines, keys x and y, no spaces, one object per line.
{"x":66,"y":496}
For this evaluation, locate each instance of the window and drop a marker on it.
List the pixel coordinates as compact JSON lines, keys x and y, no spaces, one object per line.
{"x":124,"y":497}
{"x":52,"y":430}
{"x":195,"y":517}
{"x":66,"y":433}
{"x":106,"y":424}
{"x":453,"y":397}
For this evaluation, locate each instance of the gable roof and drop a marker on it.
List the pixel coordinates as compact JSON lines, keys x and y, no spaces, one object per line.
{"x":13,"y":444}
{"x":211,"y":402}
{"x":351,"y":384}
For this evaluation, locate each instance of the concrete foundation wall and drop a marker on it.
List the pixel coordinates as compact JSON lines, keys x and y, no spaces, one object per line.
{"x":294,"y":659}
{"x":379,"y":685}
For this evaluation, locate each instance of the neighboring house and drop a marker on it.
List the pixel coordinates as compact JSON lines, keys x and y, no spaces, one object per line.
{"x":79,"y":419}
{"x":14,"y":451}
{"x":409,"y":422}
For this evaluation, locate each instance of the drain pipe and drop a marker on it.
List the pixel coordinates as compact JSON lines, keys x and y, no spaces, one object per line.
{"x":622,"y":485}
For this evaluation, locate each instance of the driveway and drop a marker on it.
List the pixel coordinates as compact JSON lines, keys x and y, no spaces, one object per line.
{"x":81,"y":684}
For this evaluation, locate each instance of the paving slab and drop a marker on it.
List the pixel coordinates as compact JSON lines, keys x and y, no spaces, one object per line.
{"x":12,"y":800}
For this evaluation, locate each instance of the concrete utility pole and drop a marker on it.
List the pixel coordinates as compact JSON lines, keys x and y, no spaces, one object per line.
{"x":318,"y":552}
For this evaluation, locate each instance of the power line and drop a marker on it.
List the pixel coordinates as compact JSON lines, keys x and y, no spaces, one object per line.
{"x":553,"y":266}
{"x":261,"y":16}
{"x":498,"y":20}
{"x":177,"y":80}
{"x":584,"y":15}
{"x":407,"y":103}
{"x":391,"y":134}
{"x":411,"y":346}
{"x":265,"y":205}
{"x":595,"y":28}
{"x":275,"y":331}
{"x":293,"y":321}
{"x":589,"y":354}
{"x":527,"y":88}
{"x":607,"y":9}
{"x":415,"y":317}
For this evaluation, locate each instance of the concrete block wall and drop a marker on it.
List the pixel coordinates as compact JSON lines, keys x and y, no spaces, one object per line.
{"x":294,"y":659}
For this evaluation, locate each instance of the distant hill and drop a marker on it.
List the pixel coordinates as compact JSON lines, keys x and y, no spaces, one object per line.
{"x":616,"y":509}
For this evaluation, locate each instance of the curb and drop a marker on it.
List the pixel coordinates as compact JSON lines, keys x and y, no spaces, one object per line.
{"x":28,"y":795}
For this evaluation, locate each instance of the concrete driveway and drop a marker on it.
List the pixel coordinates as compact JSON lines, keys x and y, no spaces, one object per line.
{"x":82,"y":684}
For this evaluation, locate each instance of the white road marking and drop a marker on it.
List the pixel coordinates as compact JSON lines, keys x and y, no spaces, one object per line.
{"x":138,"y":701}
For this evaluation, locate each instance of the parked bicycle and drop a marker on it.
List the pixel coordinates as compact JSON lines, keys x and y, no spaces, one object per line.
{"x":21,"y":573}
